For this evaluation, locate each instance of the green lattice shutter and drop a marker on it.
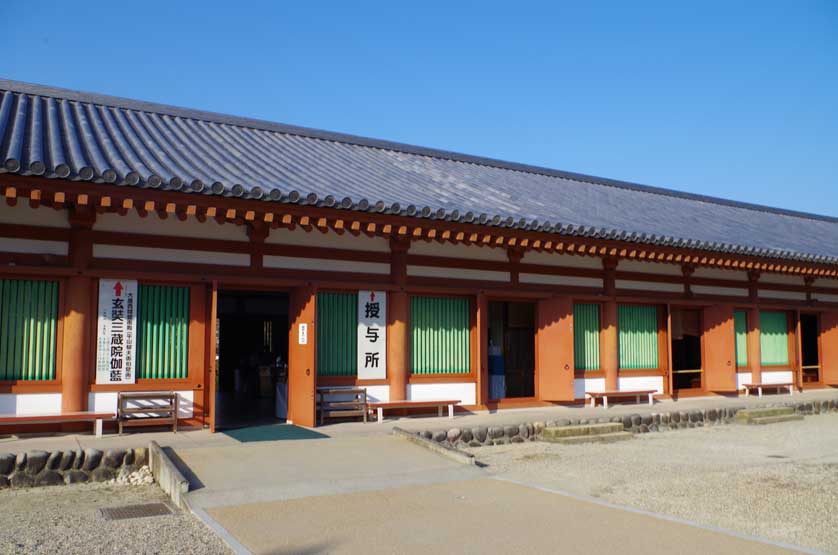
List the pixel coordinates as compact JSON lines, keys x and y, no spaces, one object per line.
{"x":773,"y":338}
{"x":162,"y":331}
{"x":28,"y":324}
{"x":638,"y":336}
{"x":337,"y":334}
{"x":439,"y":331}
{"x":586,"y":336}
{"x":740,"y":323}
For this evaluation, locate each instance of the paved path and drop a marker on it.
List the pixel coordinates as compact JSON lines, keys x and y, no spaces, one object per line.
{"x":481,"y":515}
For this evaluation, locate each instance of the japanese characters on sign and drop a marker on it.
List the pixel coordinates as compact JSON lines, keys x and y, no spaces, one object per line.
{"x":117,"y":323}
{"x":372,"y":335}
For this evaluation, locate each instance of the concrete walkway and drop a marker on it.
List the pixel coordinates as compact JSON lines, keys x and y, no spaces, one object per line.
{"x":471,"y":516}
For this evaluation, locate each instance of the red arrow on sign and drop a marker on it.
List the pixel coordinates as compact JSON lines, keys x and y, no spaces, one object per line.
{"x":118,"y":289}
{"x":372,"y":296}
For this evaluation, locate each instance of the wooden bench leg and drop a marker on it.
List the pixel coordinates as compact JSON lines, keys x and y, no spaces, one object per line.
{"x":605,"y":402}
{"x":593,"y":401}
{"x":450,"y":411}
{"x":97,"y":427}
{"x":637,"y":399}
{"x":791,"y":390}
{"x":759,"y":392}
{"x":380,"y":412}
{"x":439,"y":411}
{"x":651,"y":399}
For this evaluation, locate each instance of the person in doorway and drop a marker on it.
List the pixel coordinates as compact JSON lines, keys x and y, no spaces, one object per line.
{"x":497,"y":372}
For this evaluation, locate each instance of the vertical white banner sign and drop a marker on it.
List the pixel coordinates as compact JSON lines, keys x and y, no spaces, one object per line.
{"x":117,"y":324}
{"x":372,"y":335}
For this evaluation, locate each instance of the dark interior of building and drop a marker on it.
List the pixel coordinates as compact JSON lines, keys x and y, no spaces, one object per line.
{"x":686,"y":349}
{"x":252,"y":358}
{"x":511,"y":350}
{"x":809,"y":342}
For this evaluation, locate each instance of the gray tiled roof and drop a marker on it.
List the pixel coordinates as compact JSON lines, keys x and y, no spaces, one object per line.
{"x":80,"y":136}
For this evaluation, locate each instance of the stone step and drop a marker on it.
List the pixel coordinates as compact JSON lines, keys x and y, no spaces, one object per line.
{"x":748,"y":414}
{"x":582,"y":430}
{"x":776,"y":419}
{"x":597,"y":438}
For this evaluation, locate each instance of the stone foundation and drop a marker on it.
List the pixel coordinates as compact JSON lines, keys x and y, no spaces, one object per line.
{"x":43,"y":468}
{"x":479,"y":436}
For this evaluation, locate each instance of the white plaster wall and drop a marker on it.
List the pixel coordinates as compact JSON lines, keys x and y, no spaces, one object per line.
{"x":581,"y":385}
{"x":826,"y":282}
{"x":629,"y":383}
{"x":789,"y":295}
{"x":34,"y":246}
{"x":105,"y":401}
{"x":649,"y":286}
{"x":457,"y":273}
{"x":23,"y":214}
{"x":649,"y":267}
{"x":469,"y":252}
{"x":573,"y":281}
{"x":783,"y":376}
{"x":154,"y":225}
{"x":566,"y":260}
{"x":465,"y":392}
{"x":171,"y":255}
{"x":325,"y":265}
{"x":22,"y":404}
{"x":303,"y":238}
{"x":825,"y":297}
{"x":781,"y":278}
{"x":719,"y":291}
{"x":717,"y":273}
{"x":742,"y":378}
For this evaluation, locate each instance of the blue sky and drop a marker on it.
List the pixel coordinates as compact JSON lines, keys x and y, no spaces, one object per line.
{"x":734,"y":99}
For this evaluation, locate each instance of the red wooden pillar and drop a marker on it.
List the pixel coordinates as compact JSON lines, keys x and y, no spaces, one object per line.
{"x":74,"y":357}
{"x":829,"y":347}
{"x":754,"y":356}
{"x":301,"y":356}
{"x":482,"y":348}
{"x":608,"y":345}
{"x":398,"y":344}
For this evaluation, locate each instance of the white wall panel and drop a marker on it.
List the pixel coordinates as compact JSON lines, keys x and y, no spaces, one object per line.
{"x":469,"y":252}
{"x":650,"y":286}
{"x":171,"y":255}
{"x":23,"y":404}
{"x":105,"y":401}
{"x":23,"y":214}
{"x":649,"y":267}
{"x":781,"y":278}
{"x":457,"y":273}
{"x":34,"y":246}
{"x":325,"y":265}
{"x":717,"y":273}
{"x":152,"y":224}
{"x":572,"y":281}
{"x":581,"y":385}
{"x":566,"y":260}
{"x":783,"y":376}
{"x":788,"y":295}
{"x":303,"y":238}
{"x":742,"y":378}
{"x":719,"y":291}
{"x":465,"y":392}
{"x":825,"y":297}
{"x":635,"y":383}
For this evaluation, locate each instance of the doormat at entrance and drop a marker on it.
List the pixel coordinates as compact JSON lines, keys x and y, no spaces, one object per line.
{"x":273,"y":432}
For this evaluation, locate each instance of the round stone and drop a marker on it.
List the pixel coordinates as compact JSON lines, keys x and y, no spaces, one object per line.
{"x":523,"y":431}
{"x":427,"y":434}
{"x":480,"y":433}
{"x":54,"y":460}
{"x":113,"y":458}
{"x":466,"y":435}
{"x":36,"y":461}
{"x":21,"y":480}
{"x":49,"y":478}
{"x":4,"y":482}
{"x":454,"y":434}
{"x":510,"y":431}
{"x":495,"y":432}
{"x":103,"y":474}
{"x":440,"y":436}
{"x":7,"y":463}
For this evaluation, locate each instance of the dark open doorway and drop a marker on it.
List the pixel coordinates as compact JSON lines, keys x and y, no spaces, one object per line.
{"x":511,"y":350}
{"x":809,"y":332}
{"x":686,"y":349}
{"x":252,"y":358}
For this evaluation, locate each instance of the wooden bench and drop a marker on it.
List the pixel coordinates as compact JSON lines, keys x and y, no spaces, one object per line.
{"x":381,"y":407}
{"x":747,"y":387}
{"x":147,"y":408}
{"x":60,"y":418}
{"x":355,"y":406}
{"x":604,"y":395}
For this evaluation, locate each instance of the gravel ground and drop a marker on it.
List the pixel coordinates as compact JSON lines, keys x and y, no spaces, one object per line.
{"x":64,"y":520}
{"x":778,"y":481}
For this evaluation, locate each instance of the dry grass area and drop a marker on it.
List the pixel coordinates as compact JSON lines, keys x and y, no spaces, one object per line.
{"x":778,"y":482}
